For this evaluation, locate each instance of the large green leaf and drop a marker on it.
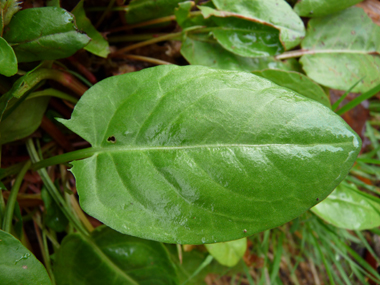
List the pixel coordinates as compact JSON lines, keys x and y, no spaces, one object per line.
{"x":340,"y":47}
{"x":23,"y":121}
{"x":213,"y":55}
{"x":275,"y":12}
{"x":8,"y":60}
{"x":228,"y":253}
{"x":318,"y":8}
{"x":44,"y":33}
{"x":18,"y":265}
{"x":196,"y":155}
{"x":98,"y":45}
{"x":143,"y":10}
{"x":243,"y":36}
{"x":296,"y":82}
{"x":109,"y":257}
{"x":349,"y":208}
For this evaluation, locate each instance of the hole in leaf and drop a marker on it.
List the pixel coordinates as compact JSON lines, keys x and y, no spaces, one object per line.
{"x":111,"y":139}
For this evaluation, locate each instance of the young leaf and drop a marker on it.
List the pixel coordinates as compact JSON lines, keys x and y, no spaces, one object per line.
{"x":348,"y":208}
{"x":343,"y":44}
{"x":296,"y":82}
{"x":8,"y":60}
{"x":243,"y":36}
{"x":23,"y":121}
{"x":196,"y":155}
{"x":98,"y":45}
{"x":144,"y":10}
{"x":211,"y":54}
{"x":109,"y":257}
{"x":44,"y":34}
{"x":275,"y":12}
{"x":54,"y":218}
{"x":228,"y":253}
{"x":18,"y":265}
{"x":9,"y":8}
{"x":318,"y":8}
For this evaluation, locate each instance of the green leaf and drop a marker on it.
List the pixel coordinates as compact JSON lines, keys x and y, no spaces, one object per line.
{"x":211,"y":54}
{"x":8,"y":60}
{"x":296,"y":82}
{"x":144,"y":10}
{"x":54,"y":218}
{"x":228,"y":253}
{"x":243,"y":35}
{"x":98,"y":45}
{"x":196,"y":155}
{"x":341,"y":47}
{"x":23,"y":121}
{"x":53,"y":36}
{"x":109,"y":257}
{"x":318,"y":8}
{"x":9,"y":8}
{"x":18,"y":265}
{"x":275,"y":12}
{"x":347,"y":207}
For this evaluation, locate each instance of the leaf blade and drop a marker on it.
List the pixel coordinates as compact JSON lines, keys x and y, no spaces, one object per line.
{"x":179,"y":160}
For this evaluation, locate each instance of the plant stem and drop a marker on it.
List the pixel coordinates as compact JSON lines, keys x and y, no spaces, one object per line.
{"x":9,"y":209}
{"x":145,"y":59}
{"x":148,"y":42}
{"x":63,"y":158}
{"x":134,"y":38}
{"x":55,"y":93}
{"x":105,"y":13}
{"x":143,"y":24}
{"x":53,"y":191}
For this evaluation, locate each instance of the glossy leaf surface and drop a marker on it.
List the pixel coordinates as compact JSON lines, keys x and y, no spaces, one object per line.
{"x":343,"y":43}
{"x":18,"y":265}
{"x":348,"y":208}
{"x":213,"y":55}
{"x":275,"y":12}
{"x":296,"y":82}
{"x":228,"y":253}
{"x":318,"y":8}
{"x":196,"y":155}
{"x":243,"y":36}
{"x":8,"y":60}
{"x":44,"y":34}
{"x":144,"y":10}
{"x":109,"y":257}
{"x":23,"y":121}
{"x":98,"y":45}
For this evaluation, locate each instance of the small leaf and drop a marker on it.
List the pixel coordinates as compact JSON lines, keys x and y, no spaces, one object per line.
{"x":211,"y":54}
{"x":296,"y":82}
{"x":18,"y":265}
{"x":109,"y":257}
{"x":144,"y":10}
{"x":243,"y":36}
{"x":53,"y":36}
{"x":9,"y":7}
{"x":275,"y":12}
{"x":318,"y":8}
{"x":346,"y":207}
{"x":228,"y":253}
{"x":23,"y":121}
{"x":343,"y":44}
{"x":8,"y":60}
{"x":196,"y":155}
{"x":54,"y":218}
{"x":98,"y":45}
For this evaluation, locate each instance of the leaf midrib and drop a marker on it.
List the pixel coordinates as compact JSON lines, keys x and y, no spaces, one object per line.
{"x":98,"y":149}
